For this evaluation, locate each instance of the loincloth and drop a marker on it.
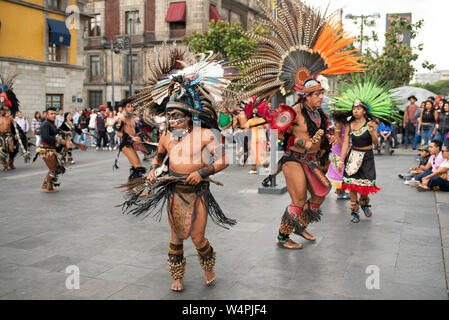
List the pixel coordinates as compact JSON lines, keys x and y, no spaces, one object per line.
{"x":182,"y":204}
{"x":46,"y":151}
{"x":6,"y":139}
{"x":316,"y":179}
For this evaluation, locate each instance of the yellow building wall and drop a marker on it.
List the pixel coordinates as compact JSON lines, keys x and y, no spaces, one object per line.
{"x":22,"y":32}
{"x":24,"y":37}
{"x":39,"y":2}
{"x":71,"y":59}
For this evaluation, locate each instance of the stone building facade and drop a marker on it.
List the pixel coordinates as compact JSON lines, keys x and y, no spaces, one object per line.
{"x":48,"y":73}
{"x":113,"y":22}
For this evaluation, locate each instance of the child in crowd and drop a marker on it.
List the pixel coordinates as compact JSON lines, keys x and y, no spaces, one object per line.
{"x":424,"y":158}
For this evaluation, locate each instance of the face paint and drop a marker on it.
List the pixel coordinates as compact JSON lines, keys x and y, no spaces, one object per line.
{"x":175,"y":120}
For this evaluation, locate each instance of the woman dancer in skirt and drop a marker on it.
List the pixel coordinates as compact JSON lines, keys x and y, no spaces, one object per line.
{"x":365,"y":101}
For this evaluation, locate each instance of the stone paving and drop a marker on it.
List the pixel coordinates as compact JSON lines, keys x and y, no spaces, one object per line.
{"x":124,"y":257}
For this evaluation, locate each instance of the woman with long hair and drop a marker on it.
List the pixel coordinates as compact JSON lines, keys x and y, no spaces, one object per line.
{"x":66,"y":130}
{"x":36,"y":127}
{"x":363,"y":101}
{"x":427,"y":123}
{"x":335,"y":177}
{"x":443,"y":124}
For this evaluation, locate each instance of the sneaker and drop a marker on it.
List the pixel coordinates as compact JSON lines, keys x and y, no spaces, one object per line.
{"x":252,"y":171}
{"x":423,"y":188}
{"x":97,"y":148}
{"x":115,"y":148}
{"x":72,"y":162}
{"x":413,"y":183}
{"x":105,"y":148}
{"x":407,"y":182}
{"x":401,"y":176}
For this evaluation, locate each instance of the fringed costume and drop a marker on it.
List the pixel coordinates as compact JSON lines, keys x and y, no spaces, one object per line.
{"x":302,"y":47}
{"x":359,"y":174}
{"x":48,"y":152}
{"x":195,"y":91}
{"x":9,"y":101}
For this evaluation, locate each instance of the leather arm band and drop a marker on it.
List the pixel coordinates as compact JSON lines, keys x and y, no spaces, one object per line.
{"x":206,"y":171}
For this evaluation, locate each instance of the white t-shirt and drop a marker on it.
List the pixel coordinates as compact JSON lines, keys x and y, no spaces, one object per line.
{"x":93,"y":117}
{"x":445,"y":164}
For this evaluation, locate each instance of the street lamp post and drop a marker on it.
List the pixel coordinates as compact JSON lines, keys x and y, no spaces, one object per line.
{"x":363,"y":17}
{"x":114,"y":49}
{"x":128,"y":41}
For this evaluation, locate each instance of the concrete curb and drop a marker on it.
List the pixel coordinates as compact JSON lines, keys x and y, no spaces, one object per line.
{"x":442,"y":205}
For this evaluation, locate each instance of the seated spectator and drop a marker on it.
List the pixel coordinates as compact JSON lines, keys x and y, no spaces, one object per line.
{"x":384,"y":131}
{"x":436,"y":158}
{"x":414,"y":171}
{"x":439,"y":179}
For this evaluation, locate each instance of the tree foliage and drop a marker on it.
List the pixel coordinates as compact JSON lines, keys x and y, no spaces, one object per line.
{"x":439,"y":87}
{"x":395,"y":63}
{"x":228,"y":40}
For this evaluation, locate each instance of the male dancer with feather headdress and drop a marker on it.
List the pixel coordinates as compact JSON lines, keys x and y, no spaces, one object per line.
{"x":303,"y":45}
{"x":14,"y":137}
{"x":187,"y":154}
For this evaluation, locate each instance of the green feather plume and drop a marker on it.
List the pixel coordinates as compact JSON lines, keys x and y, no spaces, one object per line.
{"x":373,"y":92}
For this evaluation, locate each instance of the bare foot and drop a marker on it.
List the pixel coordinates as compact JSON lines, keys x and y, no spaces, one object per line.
{"x":290,"y":244}
{"x":177,"y":285}
{"x":209,"y":276}
{"x":307,"y":236}
{"x":51,"y":190}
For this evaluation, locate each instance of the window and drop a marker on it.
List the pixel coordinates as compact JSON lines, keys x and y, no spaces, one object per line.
{"x":54,"y":52}
{"x":177,"y":29}
{"x":95,"y":68}
{"x":95,"y":98}
{"x":56,"y":4}
{"x":135,"y":66}
{"x":53,"y":100}
{"x":95,"y":26}
{"x":132,"y":21}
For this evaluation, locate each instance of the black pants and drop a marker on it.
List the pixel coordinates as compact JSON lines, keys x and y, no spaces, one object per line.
{"x":102,"y":136}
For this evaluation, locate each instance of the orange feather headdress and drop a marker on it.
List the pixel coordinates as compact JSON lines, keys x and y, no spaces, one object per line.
{"x":303,"y":44}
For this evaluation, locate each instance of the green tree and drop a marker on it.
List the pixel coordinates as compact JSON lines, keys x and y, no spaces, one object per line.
{"x":395,"y":61}
{"x":228,"y":40}
{"x":439,"y":87}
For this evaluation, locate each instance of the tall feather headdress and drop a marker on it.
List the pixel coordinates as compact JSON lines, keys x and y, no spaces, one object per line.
{"x":370,"y":93}
{"x":304,"y":44}
{"x":196,"y":87}
{"x":6,"y":90}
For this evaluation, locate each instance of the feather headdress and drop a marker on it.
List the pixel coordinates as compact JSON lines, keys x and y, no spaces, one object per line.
{"x":304,"y":45}
{"x":371,"y":93}
{"x":6,"y":91}
{"x":197,"y":89}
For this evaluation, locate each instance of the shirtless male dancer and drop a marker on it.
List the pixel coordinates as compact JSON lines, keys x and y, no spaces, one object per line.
{"x":126,"y":130}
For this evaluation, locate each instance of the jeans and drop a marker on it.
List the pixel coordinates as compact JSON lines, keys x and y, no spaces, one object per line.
{"x":408,"y":133}
{"x":442,"y":137}
{"x":83,"y":136}
{"x":419,"y":177}
{"x":440,"y":182}
{"x":426,"y":134}
{"x":111,"y":139}
{"x":416,"y":138}
{"x":93,"y":141}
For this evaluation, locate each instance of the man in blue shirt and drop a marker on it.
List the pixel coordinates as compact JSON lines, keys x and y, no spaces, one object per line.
{"x":384,"y":131}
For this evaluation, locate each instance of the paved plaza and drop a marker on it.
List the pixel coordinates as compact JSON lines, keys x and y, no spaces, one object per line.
{"x":124,"y":257}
